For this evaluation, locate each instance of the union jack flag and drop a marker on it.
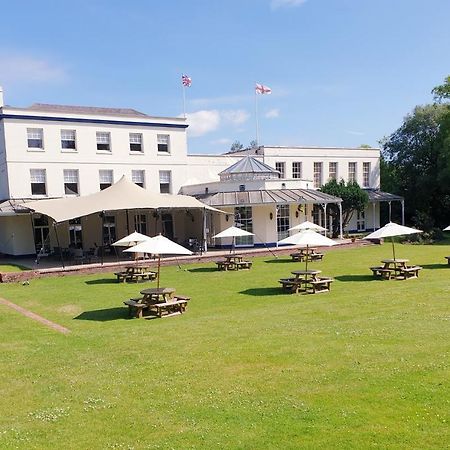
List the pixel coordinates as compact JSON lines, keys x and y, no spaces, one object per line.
{"x":186,"y":81}
{"x":261,"y":89}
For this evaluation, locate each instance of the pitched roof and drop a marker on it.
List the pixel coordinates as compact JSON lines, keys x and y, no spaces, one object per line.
{"x":85,"y":110}
{"x":249,"y":164}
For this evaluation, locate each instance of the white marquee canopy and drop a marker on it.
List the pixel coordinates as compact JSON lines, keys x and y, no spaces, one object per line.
{"x":120,"y":196}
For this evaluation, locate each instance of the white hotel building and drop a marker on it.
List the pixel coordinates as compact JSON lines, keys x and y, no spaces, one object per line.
{"x":52,"y":151}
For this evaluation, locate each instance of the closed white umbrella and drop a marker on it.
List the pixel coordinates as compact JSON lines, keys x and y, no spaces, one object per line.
{"x":159,"y":245}
{"x":132,"y":239}
{"x":308,"y":238}
{"x":233,"y":232}
{"x":392,"y":229}
{"x":447,"y":228}
{"x":307,"y":225}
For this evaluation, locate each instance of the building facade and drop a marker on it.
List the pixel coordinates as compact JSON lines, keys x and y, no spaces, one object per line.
{"x":53,"y":151}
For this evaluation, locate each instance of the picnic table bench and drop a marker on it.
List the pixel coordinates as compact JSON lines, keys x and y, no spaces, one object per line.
{"x":409,"y":272}
{"x":135,"y":307}
{"x":381,"y":271}
{"x":233,"y":262}
{"x":448,"y":259}
{"x":170,"y":308}
{"x":302,"y":256}
{"x":321,"y":284}
{"x":135,"y":274}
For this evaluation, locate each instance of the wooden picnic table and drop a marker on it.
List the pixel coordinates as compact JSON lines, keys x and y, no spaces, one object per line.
{"x":154,"y":295}
{"x":306,"y":281}
{"x":233,"y":262}
{"x":136,"y":273}
{"x":304,"y":253}
{"x":396,"y":268}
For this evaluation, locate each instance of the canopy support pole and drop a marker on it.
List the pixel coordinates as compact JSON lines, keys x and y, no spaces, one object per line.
{"x":390,"y":211}
{"x":101,"y":235}
{"x":203,"y":246}
{"x":55,"y":226}
{"x":159,"y":268}
{"x":34,"y":237}
{"x":324,"y":207}
{"x":128,"y":222}
{"x":373,"y":215}
{"x":403,"y":211}
{"x":341,"y":235}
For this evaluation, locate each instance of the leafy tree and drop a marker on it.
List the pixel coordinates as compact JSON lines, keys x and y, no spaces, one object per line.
{"x":417,"y":159}
{"x":365,"y":146}
{"x":353,"y":199}
{"x":442,"y":92}
{"x":236,"y":146}
{"x":253,"y":144}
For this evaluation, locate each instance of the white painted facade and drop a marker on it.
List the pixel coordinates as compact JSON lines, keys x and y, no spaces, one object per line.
{"x":17,"y":158}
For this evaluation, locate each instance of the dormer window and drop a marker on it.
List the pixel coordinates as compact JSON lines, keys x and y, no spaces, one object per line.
{"x":242,"y":187}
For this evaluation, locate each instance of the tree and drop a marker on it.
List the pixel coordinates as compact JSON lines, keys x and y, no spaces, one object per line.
{"x":353,"y":199}
{"x":365,"y":146}
{"x":442,"y":92}
{"x":253,"y":144}
{"x":417,"y":158}
{"x":236,"y":146}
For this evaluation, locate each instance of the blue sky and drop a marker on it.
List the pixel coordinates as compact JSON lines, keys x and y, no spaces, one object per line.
{"x":342,"y":72}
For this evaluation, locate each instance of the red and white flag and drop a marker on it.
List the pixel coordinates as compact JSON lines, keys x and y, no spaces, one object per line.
{"x":261,"y":89}
{"x":186,"y":81}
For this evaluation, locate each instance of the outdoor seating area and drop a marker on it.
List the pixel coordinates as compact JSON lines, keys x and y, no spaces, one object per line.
{"x":233,"y":262}
{"x":303,"y":254}
{"x":159,"y":302}
{"x":395,"y":269}
{"x":136,"y":273}
{"x":307,"y":281}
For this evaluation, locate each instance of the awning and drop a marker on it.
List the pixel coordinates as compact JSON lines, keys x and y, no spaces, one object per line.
{"x":261,"y":197}
{"x":379,"y":196}
{"x":120,"y":196}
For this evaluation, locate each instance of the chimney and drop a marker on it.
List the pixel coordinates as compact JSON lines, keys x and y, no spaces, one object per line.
{"x":1,"y":97}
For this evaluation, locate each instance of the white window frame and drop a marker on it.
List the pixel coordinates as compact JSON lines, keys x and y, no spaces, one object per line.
{"x":165,"y":175}
{"x":105,"y":176}
{"x":38,"y":176}
{"x":100,"y":136}
{"x":352,"y":171}
{"x":297,"y":169}
{"x":318,"y":174}
{"x":136,"y":138}
{"x":281,"y":167}
{"x":366,"y":174}
{"x":138,"y":177}
{"x":38,"y":135}
{"x":71,"y":176}
{"x":163,"y":139}
{"x":333,"y":174}
{"x":68,"y":136}
{"x":283,"y":221}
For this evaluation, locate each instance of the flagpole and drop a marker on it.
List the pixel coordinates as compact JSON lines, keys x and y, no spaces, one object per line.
{"x":256,"y":116}
{"x":184,"y":101}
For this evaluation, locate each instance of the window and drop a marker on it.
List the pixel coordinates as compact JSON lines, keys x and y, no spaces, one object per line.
{"x":361,"y":221}
{"x":103,"y":141}
{"x":135,"y":142}
{"x":317,"y":174}
{"x":366,"y":174}
{"x":109,"y":230}
{"x":164,"y":181}
{"x":68,"y":140}
{"x":296,"y":170}
{"x":140,"y":223}
{"x":282,"y":221}
{"x":244,"y":220}
{"x":242,"y":188}
{"x":106,"y":178}
{"x":38,"y":182}
{"x":71,"y":182}
{"x":163,"y":143}
{"x":332,"y":171}
{"x":352,"y":171}
{"x":75,"y":233}
{"x":281,"y":167}
{"x":41,"y":234}
{"x":35,"y":138}
{"x":138,"y":177}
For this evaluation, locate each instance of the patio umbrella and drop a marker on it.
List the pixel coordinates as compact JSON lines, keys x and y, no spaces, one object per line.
{"x":447,"y":228}
{"x":307,"y":225}
{"x":159,"y":245}
{"x":308,"y":238}
{"x":233,"y":232}
{"x":132,"y":239}
{"x":392,"y":229}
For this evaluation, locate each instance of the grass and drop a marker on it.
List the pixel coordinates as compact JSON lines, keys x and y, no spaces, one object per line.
{"x":247,"y":367}
{"x":12,"y":268}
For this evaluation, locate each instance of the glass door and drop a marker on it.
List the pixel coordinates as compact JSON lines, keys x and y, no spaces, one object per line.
{"x":244,"y":221}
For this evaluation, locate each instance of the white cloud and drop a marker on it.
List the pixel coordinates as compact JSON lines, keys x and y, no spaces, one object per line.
{"x":203,"y":122}
{"x":272,"y":113}
{"x":207,"y":120}
{"x":222,"y":141}
{"x":236,"y":117}
{"x":23,"y":68}
{"x":275,"y":4}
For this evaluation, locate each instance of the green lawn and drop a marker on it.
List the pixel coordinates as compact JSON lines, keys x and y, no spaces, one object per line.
{"x":247,"y":367}
{"x":12,"y":268}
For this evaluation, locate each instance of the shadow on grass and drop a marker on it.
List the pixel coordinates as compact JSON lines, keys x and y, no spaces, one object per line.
{"x":435,"y":266}
{"x":279,"y":260}
{"x":363,"y":278}
{"x":262,"y":292}
{"x":18,"y":267}
{"x":102,"y":281}
{"x":203,"y":269}
{"x":104,"y":315}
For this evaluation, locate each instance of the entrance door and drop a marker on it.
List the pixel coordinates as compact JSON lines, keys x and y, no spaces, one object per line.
{"x":41,"y":235}
{"x":244,"y":220}
{"x":167,"y":225}
{"x":361,"y":221}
